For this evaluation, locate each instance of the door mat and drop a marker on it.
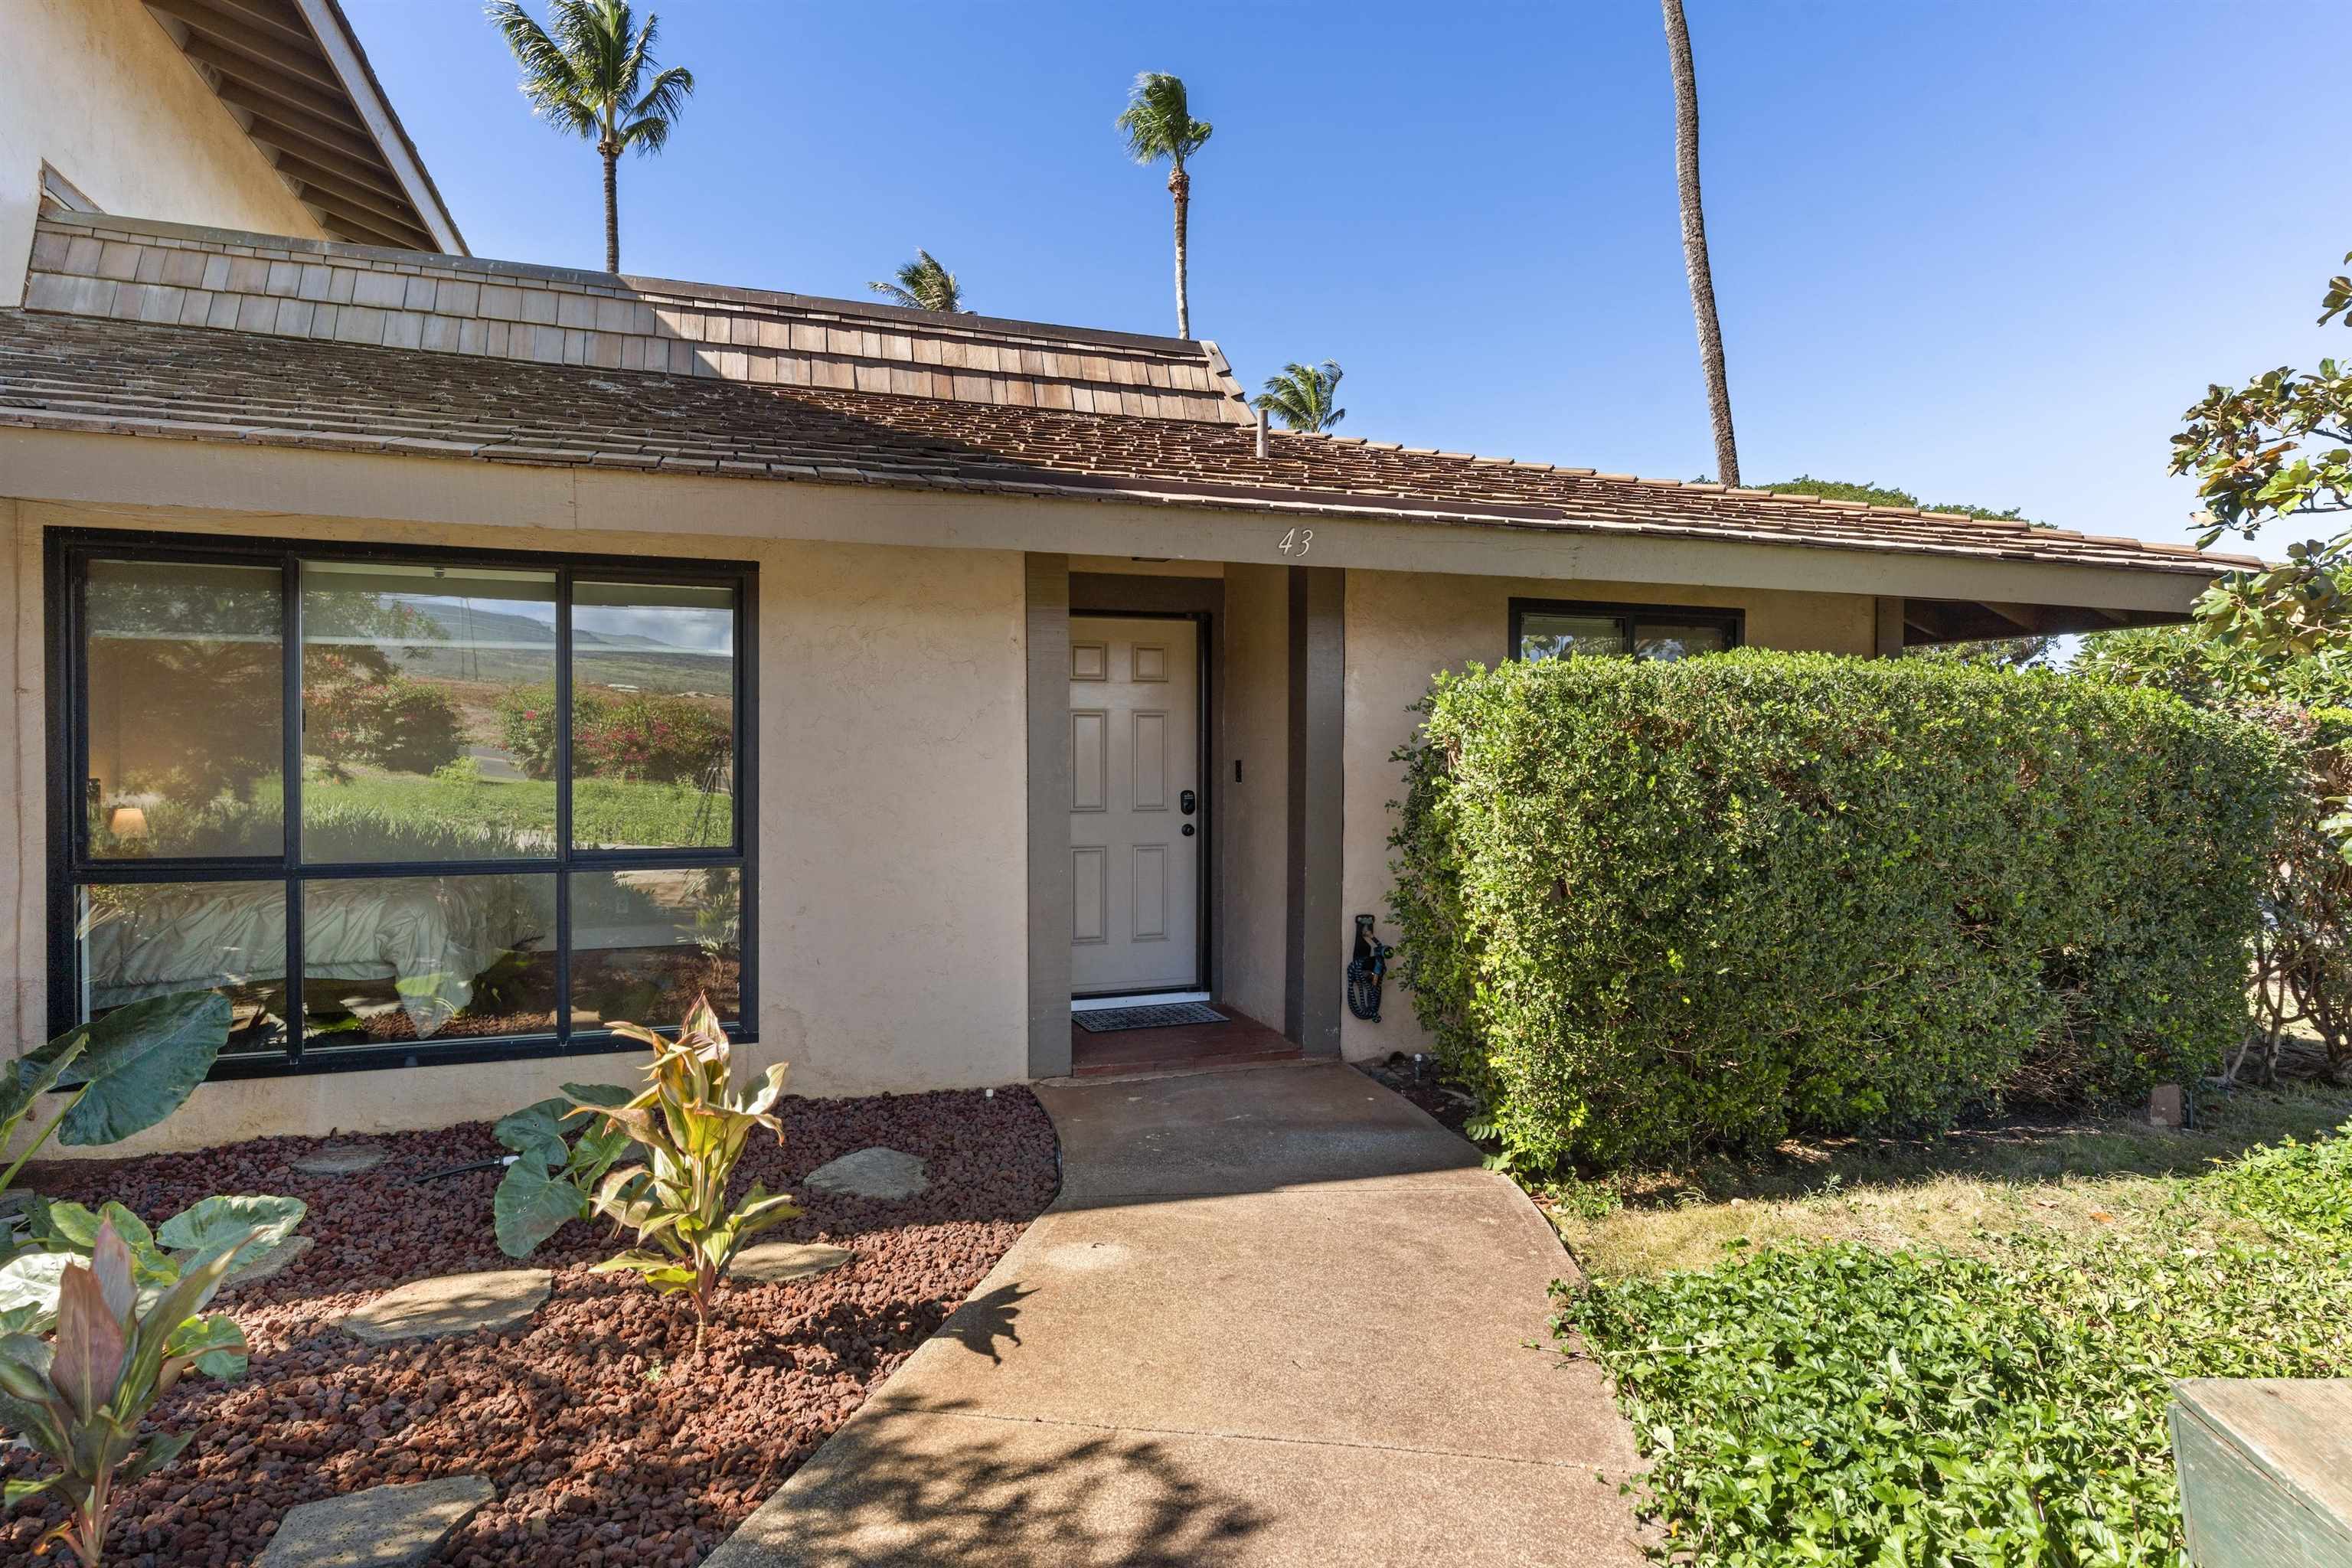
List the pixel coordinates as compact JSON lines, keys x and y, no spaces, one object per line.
{"x":1166,"y":1014}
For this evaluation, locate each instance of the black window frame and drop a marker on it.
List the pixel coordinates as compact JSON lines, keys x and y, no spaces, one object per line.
{"x":70,"y":867}
{"x":1629,"y":618}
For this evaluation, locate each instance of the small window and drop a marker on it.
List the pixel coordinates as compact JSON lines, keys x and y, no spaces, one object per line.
{"x":1542,"y":629}
{"x":398,"y":805}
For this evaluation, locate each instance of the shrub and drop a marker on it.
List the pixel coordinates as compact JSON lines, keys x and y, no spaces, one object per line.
{"x":527,"y":724}
{"x":652,"y":740}
{"x":356,"y":714}
{"x":645,"y":738}
{"x":1650,"y":907}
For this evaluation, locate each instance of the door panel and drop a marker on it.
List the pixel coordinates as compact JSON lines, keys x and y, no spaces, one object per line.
{"x":1134,"y":734}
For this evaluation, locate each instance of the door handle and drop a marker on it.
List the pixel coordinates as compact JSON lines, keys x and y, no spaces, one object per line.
{"x":1187,"y":801}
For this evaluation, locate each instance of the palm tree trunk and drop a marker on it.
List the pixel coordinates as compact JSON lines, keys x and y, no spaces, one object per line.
{"x":612,"y":207}
{"x":1702,"y":279}
{"x":1180,"y":186}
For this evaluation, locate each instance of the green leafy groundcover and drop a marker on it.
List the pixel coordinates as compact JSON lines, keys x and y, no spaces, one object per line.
{"x":1649,"y":907}
{"x":1838,"y":1404}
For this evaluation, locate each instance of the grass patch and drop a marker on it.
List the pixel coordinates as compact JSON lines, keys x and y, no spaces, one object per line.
{"x":1958,"y":1353}
{"x":604,"y":812}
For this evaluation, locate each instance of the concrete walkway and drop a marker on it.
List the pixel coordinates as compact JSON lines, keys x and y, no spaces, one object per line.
{"x":1277,"y":1316}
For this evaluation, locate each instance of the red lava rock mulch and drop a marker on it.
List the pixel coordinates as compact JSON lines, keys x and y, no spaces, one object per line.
{"x":609,"y":1441}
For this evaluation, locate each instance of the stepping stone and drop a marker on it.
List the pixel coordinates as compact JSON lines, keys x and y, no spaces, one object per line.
{"x":270,"y":1264}
{"x":494,"y":1301}
{"x":340,"y":1160}
{"x":383,"y":1527}
{"x":780,"y":1262}
{"x":872,"y":1173}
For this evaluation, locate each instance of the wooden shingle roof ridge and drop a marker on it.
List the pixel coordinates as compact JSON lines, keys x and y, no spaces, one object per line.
{"x":99,"y":374}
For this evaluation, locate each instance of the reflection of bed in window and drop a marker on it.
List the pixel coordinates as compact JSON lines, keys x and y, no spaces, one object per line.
{"x":429,"y":939}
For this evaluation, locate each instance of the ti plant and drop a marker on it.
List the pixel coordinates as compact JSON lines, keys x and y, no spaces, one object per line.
{"x":694,"y":1126}
{"x":84,"y":1400}
{"x":554,"y":1180}
{"x":128,"y":1069}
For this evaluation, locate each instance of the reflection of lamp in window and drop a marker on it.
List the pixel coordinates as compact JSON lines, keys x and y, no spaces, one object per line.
{"x":127,"y":822}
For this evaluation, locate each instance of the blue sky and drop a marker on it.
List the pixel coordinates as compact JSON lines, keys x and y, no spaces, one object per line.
{"x":1985,"y":251}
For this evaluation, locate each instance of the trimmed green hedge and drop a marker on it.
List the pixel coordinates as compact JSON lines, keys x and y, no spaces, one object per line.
{"x":1648,"y":908}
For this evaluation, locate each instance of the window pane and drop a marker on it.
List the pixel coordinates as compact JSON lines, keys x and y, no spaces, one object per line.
{"x":428,"y":704}
{"x":1666,"y":640}
{"x":427,"y":958}
{"x":185,"y":721}
{"x":653,"y":741}
{"x":646,"y":943}
{"x":1546,"y":635}
{"x":151,"y":940}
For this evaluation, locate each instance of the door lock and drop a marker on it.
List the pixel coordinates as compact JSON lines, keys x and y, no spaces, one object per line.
{"x":1187,"y":801}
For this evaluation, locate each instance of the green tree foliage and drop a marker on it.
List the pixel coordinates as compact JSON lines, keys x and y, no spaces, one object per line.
{"x":1650,"y":906}
{"x":1304,"y":396}
{"x":2030,"y":652}
{"x":588,"y":79}
{"x":923,"y":284}
{"x":1157,"y":123}
{"x":2279,"y":451}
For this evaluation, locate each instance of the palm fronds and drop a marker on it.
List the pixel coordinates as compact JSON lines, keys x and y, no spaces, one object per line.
{"x":1157,"y":121}
{"x":924,"y":285}
{"x":1303,"y":396}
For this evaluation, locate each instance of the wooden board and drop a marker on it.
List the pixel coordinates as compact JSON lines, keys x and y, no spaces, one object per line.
{"x":2265,"y":1471}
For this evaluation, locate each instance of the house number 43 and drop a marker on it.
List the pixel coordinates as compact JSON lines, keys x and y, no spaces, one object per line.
{"x":1298,"y":542}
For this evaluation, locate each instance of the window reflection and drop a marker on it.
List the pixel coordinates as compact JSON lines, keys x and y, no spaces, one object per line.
{"x":427,"y":958}
{"x":428,"y":712}
{"x":185,"y":718}
{"x":152,"y":940}
{"x":1665,"y":640}
{"x":646,"y":943}
{"x":653,"y":703}
{"x":1563,"y":637}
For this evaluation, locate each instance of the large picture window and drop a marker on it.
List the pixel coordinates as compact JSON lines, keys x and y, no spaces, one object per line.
{"x":397,"y":805}
{"x":1546,"y":628}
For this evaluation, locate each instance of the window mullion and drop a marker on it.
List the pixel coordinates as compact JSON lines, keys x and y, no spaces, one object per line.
{"x":291,"y":800}
{"x":563,"y":804}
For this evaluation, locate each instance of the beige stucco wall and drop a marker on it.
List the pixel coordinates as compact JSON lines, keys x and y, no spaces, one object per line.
{"x":891,"y":840}
{"x":98,"y":90}
{"x":1403,"y":627}
{"x":1253,"y":824}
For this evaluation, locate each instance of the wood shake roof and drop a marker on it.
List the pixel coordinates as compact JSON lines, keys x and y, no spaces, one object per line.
{"x":111,"y":377}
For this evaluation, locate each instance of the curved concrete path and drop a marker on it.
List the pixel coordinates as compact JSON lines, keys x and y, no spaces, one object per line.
{"x":1277,"y":1316}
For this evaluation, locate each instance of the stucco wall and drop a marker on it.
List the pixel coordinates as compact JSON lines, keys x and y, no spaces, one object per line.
{"x":1403,"y":627}
{"x":98,"y":90}
{"x":891,"y":878}
{"x":1253,"y":824}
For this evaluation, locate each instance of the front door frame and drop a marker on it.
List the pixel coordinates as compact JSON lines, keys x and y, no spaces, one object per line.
{"x":1089,"y":585}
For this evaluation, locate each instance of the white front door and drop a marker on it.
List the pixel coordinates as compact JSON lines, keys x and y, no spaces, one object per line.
{"x":1135,"y":804}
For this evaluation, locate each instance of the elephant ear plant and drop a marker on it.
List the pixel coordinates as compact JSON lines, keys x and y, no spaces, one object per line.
{"x":694,"y":1127}
{"x":129,"y":1070}
{"x":554,"y":1180}
{"x":83,"y":1401}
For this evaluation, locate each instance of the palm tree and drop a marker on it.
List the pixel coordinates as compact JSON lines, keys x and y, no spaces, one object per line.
{"x":1702,"y":281}
{"x":924,"y":285}
{"x":586,"y":79}
{"x":1301,"y":396}
{"x":1157,"y":124}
